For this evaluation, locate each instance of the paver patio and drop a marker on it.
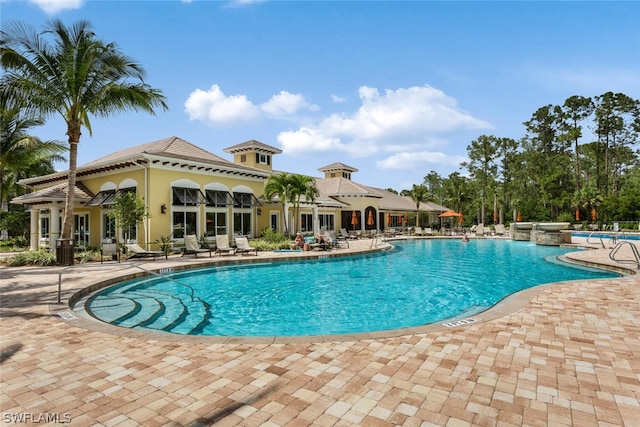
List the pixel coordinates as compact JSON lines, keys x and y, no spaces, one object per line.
{"x":562,"y":354}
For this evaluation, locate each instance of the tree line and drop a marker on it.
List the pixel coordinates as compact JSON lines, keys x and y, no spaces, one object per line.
{"x":552,"y":173}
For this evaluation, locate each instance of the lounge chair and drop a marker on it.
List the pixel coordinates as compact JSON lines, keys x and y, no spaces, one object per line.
{"x":137,"y":252}
{"x":427,"y":231}
{"x":222,"y":246}
{"x":499,"y":230}
{"x":337,"y":241}
{"x":243,"y":247}
{"x":479,"y":230}
{"x":417,"y":231}
{"x":344,"y":233}
{"x":109,"y":249}
{"x":191,"y":246}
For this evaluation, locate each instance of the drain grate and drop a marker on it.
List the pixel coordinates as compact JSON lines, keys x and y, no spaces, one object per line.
{"x":460,"y":322}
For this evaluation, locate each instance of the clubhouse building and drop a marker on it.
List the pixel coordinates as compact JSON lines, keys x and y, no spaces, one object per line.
{"x":188,"y":190}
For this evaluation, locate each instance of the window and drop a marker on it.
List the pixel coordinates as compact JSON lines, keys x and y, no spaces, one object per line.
{"x":108,"y":228}
{"x":263,"y":159}
{"x":184,"y":223}
{"x":44,"y":224}
{"x":243,"y":158}
{"x":216,"y":224}
{"x":187,"y":196}
{"x":81,"y":230}
{"x":306,"y":222}
{"x":242,"y":223}
{"x":346,"y":175}
{"x":274,"y":221}
{"x":327,"y":221}
{"x":218,"y":198}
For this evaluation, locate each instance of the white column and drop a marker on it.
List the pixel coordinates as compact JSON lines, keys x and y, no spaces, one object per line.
{"x":34,"y":228}
{"x":54,"y":226}
{"x":316,"y":220}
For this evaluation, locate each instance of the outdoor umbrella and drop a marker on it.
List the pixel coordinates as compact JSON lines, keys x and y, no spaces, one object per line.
{"x":449,"y":214}
{"x":388,"y":218}
{"x":354,"y":219}
{"x":370,"y":218}
{"x":519,"y":217}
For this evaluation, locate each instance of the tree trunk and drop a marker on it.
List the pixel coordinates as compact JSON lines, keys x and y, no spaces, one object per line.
{"x":67,"y":224}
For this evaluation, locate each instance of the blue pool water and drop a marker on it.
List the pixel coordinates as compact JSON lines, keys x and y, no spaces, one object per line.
{"x":420,"y":282}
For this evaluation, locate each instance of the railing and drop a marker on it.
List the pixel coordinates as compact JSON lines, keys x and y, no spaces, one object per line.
{"x":599,"y":237}
{"x":162,"y":273}
{"x":634,"y":251}
{"x":376,"y":240}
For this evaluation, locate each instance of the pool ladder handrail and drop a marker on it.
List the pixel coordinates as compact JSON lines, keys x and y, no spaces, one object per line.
{"x":599,"y":237}
{"x":634,"y":251}
{"x":151,"y":272}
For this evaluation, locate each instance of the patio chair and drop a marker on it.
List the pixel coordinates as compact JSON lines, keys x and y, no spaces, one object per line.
{"x":109,"y":249}
{"x":243,"y":247}
{"x":417,"y":231}
{"x":191,"y":246}
{"x":337,"y":241}
{"x":344,"y":233}
{"x":138,"y":252}
{"x":427,"y":231}
{"x":480,"y":230}
{"x":499,"y":230}
{"x":222,"y":246}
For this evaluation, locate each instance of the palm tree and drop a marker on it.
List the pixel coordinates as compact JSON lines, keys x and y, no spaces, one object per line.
{"x":302,"y":185}
{"x":280,"y":185}
{"x":76,"y":75}
{"x":21,"y":152}
{"x":419,"y":194}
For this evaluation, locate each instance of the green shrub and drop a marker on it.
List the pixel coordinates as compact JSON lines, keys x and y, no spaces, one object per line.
{"x":264,"y":246}
{"x":37,"y":257}
{"x":271,"y":236}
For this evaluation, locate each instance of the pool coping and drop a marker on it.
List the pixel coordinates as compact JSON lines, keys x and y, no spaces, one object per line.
{"x":508,"y":305}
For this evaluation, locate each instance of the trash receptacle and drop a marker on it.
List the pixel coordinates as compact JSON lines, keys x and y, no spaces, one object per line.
{"x":64,"y":251}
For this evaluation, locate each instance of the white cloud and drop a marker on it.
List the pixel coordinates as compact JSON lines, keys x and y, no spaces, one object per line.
{"x":286,"y":104}
{"x":54,"y":6}
{"x":416,"y":160}
{"x":336,"y":98}
{"x":406,"y":116}
{"x":214,"y":107}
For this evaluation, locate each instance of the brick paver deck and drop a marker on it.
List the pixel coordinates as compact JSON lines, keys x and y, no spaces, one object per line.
{"x":566,"y":354}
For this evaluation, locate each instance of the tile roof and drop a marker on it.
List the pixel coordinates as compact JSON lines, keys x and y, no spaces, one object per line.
{"x":337,"y":166}
{"x":54,"y":193}
{"x":171,"y":147}
{"x":252,"y":145}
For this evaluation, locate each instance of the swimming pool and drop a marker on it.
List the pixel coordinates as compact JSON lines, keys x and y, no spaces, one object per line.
{"x":419,"y":282}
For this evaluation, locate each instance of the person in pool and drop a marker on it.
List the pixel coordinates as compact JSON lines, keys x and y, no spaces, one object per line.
{"x":465,"y":239}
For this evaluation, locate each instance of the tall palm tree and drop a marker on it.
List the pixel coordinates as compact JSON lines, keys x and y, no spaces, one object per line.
{"x":419,"y":194}
{"x":75,"y":75}
{"x":280,"y":185}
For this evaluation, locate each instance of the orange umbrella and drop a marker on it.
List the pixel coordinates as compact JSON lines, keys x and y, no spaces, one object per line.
{"x":495,"y":217}
{"x":594,"y":214}
{"x":354,"y":219}
{"x":519,"y":217}
{"x":460,"y":219}
{"x":370,"y":218}
{"x":450,"y":214}
{"x":577,"y":214}
{"x":388,"y":218}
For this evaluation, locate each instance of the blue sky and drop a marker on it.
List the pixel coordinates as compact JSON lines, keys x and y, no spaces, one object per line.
{"x":394,"y":89}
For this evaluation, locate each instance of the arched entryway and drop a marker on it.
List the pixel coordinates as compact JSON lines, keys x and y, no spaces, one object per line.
{"x":371,"y":218}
